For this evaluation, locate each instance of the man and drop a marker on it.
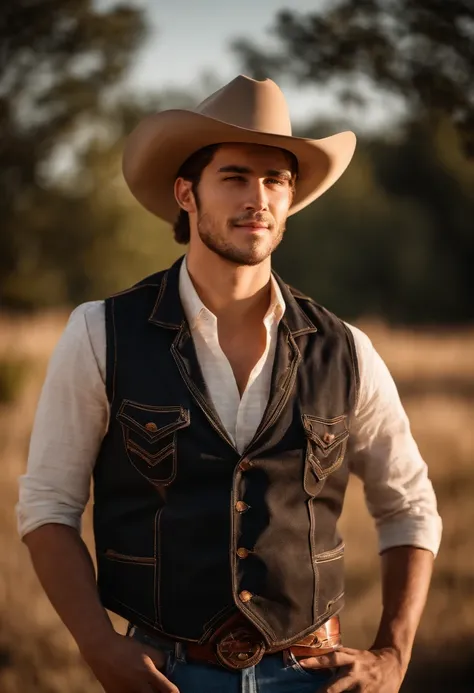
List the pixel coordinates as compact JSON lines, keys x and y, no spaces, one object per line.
{"x":220,"y":412}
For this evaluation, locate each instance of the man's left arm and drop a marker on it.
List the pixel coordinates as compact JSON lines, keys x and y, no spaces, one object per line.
{"x":401,"y":500}
{"x":406,"y":575}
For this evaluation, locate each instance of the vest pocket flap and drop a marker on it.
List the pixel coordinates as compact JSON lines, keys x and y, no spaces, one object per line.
{"x":326,"y":442}
{"x":152,"y":423}
{"x":327,"y":434}
{"x":150,"y":438}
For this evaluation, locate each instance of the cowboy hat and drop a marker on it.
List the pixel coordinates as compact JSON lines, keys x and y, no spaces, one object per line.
{"x":245,"y":110}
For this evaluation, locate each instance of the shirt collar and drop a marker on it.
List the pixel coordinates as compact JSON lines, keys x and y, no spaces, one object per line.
{"x":194,"y":308}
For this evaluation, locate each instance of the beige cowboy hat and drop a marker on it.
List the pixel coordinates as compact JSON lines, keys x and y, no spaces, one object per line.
{"x":245,"y":110}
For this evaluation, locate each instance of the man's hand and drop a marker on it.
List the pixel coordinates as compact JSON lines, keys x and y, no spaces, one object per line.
{"x":366,"y":671}
{"x":123,"y":665}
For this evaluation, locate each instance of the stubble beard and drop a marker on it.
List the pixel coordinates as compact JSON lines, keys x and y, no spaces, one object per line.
{"x":256,"y":251}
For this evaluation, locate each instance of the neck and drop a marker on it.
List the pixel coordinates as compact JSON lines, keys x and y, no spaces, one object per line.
{"x":232,"y":292}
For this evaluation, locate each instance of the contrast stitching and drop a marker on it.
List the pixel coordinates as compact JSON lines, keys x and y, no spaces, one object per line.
{"x":329,"y":422}
{"x":182,"y":422}
{"x":151,"y":460}
{"x":313,"y":553}
{"x":152,"y":407}
{"x":325,"y":447}
{"x":112,"y":555}
{"x":325,"y":471}
{"x":207,"y":628}
{"x":304,"y":330}
{"x":133,"y":288}
{"x":233,"y":562}
{"x":333,"y":601}
{"x":159,"y":298}
{"x":112,"y":308}
{"x":153,"y":482}
{"x":331,"y":554}
{"x":354,"y":364}
{"x":286,"y":388}
{"x":209,"y":413}
{"x":157,"y":599}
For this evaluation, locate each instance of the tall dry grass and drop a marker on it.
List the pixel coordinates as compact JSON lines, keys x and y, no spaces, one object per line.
{"x":435,"y":374}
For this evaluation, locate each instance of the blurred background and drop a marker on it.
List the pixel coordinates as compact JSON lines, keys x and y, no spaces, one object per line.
{"x":389,"y":248}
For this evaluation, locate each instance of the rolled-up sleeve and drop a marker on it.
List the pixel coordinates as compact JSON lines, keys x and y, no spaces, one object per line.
{"x":385,"y":456}
{"x":70,"y":423}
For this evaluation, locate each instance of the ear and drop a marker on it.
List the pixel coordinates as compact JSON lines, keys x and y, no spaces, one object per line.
{"x":184,"y":195}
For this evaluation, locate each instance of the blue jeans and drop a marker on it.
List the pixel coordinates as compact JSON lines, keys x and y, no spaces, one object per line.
{"x":271,"y":675}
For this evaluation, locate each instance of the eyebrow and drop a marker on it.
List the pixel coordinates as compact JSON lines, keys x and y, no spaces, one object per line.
{"x":272,"y":172}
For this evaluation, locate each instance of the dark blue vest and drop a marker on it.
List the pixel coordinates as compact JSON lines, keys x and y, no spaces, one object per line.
{"x":188,"y":529}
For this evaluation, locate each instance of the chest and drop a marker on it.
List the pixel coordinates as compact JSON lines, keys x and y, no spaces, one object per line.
{"x":243,"y":351}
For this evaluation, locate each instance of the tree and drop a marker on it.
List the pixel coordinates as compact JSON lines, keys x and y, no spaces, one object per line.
{"x":395,"y":237}
{"x":59,"y":60}
{"x":423,"y":51}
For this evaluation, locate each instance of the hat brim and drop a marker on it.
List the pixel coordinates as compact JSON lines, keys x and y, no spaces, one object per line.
{"x":162,"y":142}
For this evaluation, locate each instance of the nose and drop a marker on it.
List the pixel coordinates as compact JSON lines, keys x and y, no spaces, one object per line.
{"x":257,"y":199}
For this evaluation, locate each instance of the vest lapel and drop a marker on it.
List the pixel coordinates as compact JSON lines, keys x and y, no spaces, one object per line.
{"x":293,"y":325}
{"x":184,"y":353}
{"x":168,"y":313}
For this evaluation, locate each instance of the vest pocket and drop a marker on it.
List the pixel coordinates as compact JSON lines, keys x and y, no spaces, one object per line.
{"x":127,"y":582}
{"x":329,"y":567}
{"x":326,"y":443}
{"x":149,"y":434}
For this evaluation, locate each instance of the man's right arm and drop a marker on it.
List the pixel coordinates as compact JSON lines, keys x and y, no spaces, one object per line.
{"x":70,"y":423}
{"x":65,"y":570}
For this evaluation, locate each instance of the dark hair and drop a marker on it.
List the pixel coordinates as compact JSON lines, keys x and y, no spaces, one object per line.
{"x":192,"y":170}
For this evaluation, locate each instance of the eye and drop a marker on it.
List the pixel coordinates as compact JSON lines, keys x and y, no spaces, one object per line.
{"x":238,"y":178}
{"x":275,"y":181}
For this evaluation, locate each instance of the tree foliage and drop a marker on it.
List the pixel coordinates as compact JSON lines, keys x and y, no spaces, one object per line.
{"x":59,"y":61}
{"x":395,"y":237}
{"x":423,"y":51}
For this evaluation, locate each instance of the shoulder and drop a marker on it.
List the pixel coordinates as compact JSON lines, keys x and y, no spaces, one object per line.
{"x":87,"y":313}
{"x":363,"y":344}
{"x":150,"y":283}
{"x":376,"y":381}
{"x":324,"y":319}
{"x":87,"y":321}
{"x":309,"y":305}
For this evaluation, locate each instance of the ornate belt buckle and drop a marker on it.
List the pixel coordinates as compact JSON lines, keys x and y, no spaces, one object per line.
{"x":233,"y":658}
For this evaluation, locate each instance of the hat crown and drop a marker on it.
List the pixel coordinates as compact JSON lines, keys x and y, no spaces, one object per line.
{"x":250,"y":104}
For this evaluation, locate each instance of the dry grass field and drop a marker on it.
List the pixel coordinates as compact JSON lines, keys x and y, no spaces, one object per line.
{"x":435,"y":374}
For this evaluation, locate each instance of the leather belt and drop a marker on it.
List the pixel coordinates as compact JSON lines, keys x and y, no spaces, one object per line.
{"x":237,"y":644}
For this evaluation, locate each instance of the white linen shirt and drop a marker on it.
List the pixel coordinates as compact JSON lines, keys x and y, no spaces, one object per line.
{"x":73,"y":413}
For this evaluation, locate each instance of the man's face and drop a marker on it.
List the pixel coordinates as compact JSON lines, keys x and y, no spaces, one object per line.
{"x":244,"y":197}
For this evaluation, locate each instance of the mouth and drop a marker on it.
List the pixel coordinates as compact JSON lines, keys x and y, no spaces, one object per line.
{"x":253,"y":226}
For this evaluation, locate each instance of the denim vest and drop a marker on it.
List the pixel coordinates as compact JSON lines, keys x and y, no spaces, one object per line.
{"x":189,"y":530}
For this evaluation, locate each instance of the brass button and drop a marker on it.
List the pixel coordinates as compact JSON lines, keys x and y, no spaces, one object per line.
{"x":328,"y":437}
{"x":152,"y":427}
{"x":245,"y":465}
{"x":242,"y":553}
{"x":245,"y":596}
{"x":241,"y":507}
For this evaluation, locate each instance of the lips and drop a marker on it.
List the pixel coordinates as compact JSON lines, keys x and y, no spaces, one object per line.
{"x":252,"y":225}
